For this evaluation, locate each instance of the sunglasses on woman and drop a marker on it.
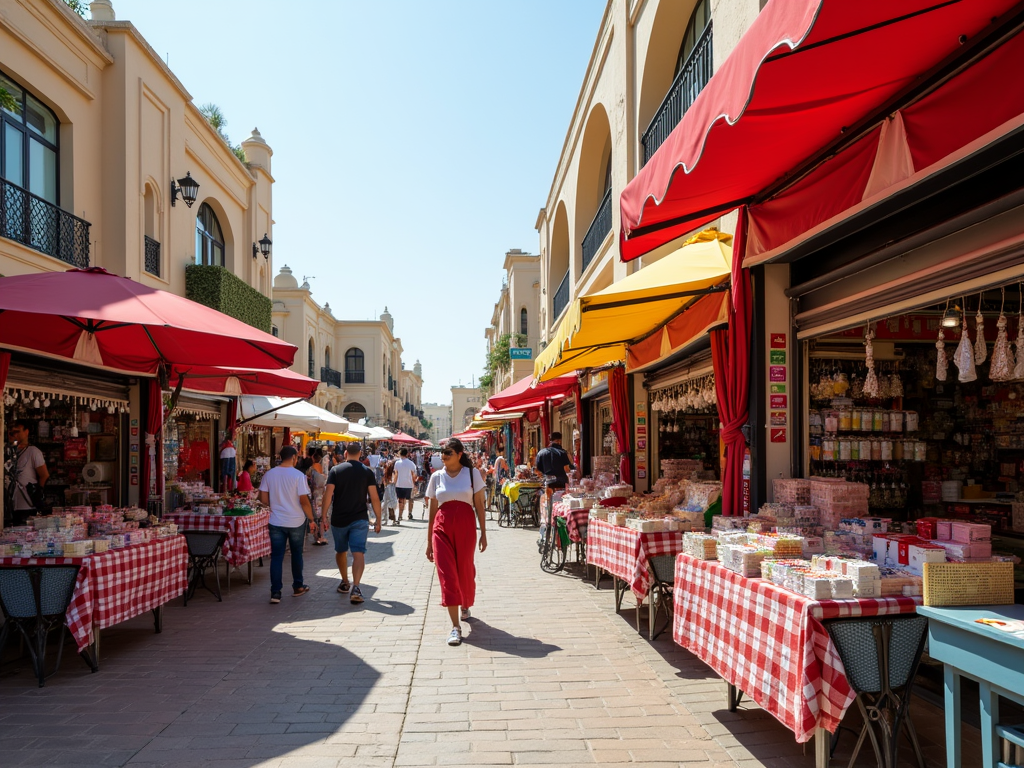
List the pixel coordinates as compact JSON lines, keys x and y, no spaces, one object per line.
{"x":447,"y":452}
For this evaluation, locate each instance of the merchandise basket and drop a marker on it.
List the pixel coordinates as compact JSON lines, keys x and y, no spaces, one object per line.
{"x":948,"y":584}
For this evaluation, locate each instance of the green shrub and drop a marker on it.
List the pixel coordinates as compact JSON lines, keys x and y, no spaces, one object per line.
{"x":217,"y":288}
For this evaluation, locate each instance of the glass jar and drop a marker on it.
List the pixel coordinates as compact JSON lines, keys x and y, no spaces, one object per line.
{"x":910,"y":420}
{"x":886,"y":422}
{"x":867,"y":420}
{"x":920,"y":450}
{"x":854,"y":449}
{"x":877,"y":420}
{"x":865,"y":449}
{"x":896,"y":421}
{"x":845,"y":453}
{"x":876,"y":450}
{"x":828,"y":450}
{"x":832,"y":422}
{"x":845,"y":418}
{"x":897,"y":450}
{"x":886,"y":450}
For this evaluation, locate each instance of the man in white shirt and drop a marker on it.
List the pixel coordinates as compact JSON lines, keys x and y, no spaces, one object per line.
{"x":285,"y":490}
{"x":405,"y":469}
{"x":29,"y":473}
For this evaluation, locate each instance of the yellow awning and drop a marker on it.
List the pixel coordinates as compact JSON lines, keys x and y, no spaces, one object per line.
{"x":598,"y":329}
{"x":481,"y":425}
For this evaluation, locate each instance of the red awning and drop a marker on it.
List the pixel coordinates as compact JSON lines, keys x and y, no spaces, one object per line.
{"x":217,"y":380}
{"x":470,"y":435}
{"x":523,"y":394}
{"x":97,"y":318}
{"x":403,"y":439}
{"x":803,"y":74}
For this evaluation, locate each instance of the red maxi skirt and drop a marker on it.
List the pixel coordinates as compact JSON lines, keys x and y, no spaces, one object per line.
{"x":454,"y":548}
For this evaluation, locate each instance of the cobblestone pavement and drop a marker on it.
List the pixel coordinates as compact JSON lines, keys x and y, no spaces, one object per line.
{"x":548,"y":674}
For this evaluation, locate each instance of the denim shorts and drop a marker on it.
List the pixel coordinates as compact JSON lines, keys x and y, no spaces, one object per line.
{"x":404,"y":493}
{"x":227,"y":466}
{"x":351,"y":537}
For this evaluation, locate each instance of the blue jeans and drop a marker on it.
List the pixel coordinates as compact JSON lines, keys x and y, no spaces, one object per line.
{"x":279,"y":537}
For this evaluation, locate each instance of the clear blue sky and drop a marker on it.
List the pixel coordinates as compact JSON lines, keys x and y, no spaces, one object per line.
{"x":414,"y":143}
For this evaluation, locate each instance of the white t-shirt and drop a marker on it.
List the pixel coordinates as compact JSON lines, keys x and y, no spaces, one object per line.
{"x":446,"y":488}
{"x":405,"y":470}
{"x":436,"y":462}
{"x":228,"y":452}
{"x":286,"y":485}
{"x":374,"y":460}
{"x":26,"y":465}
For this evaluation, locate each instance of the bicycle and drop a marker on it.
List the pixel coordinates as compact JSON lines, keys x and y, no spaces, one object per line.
{"x":554,"y":535}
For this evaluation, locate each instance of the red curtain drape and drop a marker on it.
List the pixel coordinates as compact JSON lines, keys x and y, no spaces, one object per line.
{"x":577,"y":395}
{"x":232,"y":417}
{"x":154,"y":428}
{"x":545,"y":423}
{"x":5,"y":367}
{"x":730,"y":354}
{"x":621,"y":420}
{"x":517,"y":441}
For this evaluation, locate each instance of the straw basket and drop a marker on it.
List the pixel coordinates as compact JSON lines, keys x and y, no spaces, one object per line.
{"x":968,"y":584}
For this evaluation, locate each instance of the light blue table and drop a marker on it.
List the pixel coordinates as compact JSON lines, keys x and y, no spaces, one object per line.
{"x":995,"y":659}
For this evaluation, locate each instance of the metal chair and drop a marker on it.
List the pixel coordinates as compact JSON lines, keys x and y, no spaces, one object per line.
{"x":527,"y":507}
{"x":662,"y":568}
{"x":881,"y":656}
{"x":204,"y":549}
{"x":35,"y":600}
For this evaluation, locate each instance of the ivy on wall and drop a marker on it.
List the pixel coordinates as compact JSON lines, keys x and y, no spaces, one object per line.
{"x":217,"y":288}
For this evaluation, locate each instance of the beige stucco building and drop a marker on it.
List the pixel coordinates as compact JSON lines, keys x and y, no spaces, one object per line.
{"x":102,"y":128}
{"x":649,"y":61}
{"x":358,"y":362}
{"x":440,"y":417}
{"x":466,"y":401}
{"x":517,"y":313}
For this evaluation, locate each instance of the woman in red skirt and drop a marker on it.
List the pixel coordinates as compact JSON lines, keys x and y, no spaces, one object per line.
{"x":456,"y":495}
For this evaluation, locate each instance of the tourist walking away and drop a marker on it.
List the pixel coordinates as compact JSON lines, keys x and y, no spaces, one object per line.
{"x":345,"y":497}
{"x":228,"y":457}
{"x":245,"y":476}
{"x":456,"y":496}
{"x":405,"y":469}
{"x":317,"y":482}
{"x":554,"y":462}
{"x":390,"y":494}
{"x":285,"y":490}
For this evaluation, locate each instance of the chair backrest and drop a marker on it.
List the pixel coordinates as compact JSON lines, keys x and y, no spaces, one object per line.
{"x":873,"y":649}
{"x":37,"y":590}
{"x":664,"y":568}
{"x":204,"y":543}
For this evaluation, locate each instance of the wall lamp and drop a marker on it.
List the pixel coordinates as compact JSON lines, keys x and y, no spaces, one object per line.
{"x":188,"y":187}
{"x":263,"y":247}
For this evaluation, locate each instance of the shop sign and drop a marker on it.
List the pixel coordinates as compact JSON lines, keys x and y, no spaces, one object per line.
{"x":777,"y":373}
{"x":520,"y":353}
{"x":641,"y":420}
{"x":778,"y":389}
{"x":641,"y":430}
{"x":135,"y":479}
{"x":641,"y":473}
{"x":778,"y":401}
{"x":778,"y":434}
{"x":641,"y":443}
{"x":778,"y":418}
{"x":778,"y":341}
{"x":777,"y":357}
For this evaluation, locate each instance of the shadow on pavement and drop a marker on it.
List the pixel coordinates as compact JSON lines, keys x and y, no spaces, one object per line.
{"x":484,"y":635}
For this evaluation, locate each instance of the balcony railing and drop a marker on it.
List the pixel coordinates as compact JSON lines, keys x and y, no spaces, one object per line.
{"x":688,"y":83}
{"x":152,"y":255}
{"x":599,"y":229}
{"x":561,"y":297}
{"x":43,"y":226}
{"x":355,"y":377}
{"x":330,"y":377}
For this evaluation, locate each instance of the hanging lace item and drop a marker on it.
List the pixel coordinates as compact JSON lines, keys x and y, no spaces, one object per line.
{"x":941,"y":362}
{"x":1002,"y":365}
{"x":980,"y":346}
{"x":1018,"y":369}
{"x":963,"y":358}
{"x":896,"y":385}
{"x":871,"y":380}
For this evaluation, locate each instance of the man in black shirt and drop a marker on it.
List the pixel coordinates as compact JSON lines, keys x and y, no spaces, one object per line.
{"x":554,"y":462}
{"x":348,"y":484}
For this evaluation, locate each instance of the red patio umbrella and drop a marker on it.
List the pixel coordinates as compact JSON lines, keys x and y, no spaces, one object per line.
{"x":101,"y":319}
{"x":403,"y":439}
{"x":219,"y":380}
{"x":522,"y":394}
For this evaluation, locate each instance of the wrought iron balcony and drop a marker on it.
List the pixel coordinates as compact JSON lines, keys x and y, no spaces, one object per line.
{"x":330,"y":377}
{"x":152,"y":255}
{"x":43,"y":226}
{"x":561,"y":297}
{"x":599,"y":229}
{"x":355,"y":377}
{"x":688,"y":83}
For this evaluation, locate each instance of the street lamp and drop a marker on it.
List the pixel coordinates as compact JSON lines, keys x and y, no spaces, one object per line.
{"x":187,"y":187}
{"x":263,"y":247}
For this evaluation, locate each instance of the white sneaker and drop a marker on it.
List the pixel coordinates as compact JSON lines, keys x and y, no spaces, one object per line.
{"x":455,"y":638}
{"x":465,"y":614}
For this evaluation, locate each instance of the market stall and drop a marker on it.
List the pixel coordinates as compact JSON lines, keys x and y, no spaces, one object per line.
{"x":247,"y":535}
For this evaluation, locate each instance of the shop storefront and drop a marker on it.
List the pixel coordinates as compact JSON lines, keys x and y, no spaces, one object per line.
{"x":191,"y":443}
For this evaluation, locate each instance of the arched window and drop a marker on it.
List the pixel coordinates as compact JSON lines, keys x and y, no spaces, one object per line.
{"x":694,"y":29}
{"x":28,"y":146}
{"x":311,"y":352}
{"x":354,"y":371}
{"x":354,"y":412}
{"x":209,"y":238}
{"x":467,"y":417}
{"x":524,"y":323}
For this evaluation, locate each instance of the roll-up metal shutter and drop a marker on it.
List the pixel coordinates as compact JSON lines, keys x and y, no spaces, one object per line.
{"x":52,"y":381}
{"x":198,"y":406}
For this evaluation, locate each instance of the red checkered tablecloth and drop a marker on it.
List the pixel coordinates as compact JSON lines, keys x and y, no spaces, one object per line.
{"x":623,"y":552}
{"x":769,"y":642}
{"x":248,"y":537}
{"x":120,"y":584}
{"x":575,"y":519}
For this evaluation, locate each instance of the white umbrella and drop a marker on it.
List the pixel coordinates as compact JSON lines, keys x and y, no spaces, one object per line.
{"x":293,"y":414}
{"x":379,"y":433}
{"x":358,"y":430}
